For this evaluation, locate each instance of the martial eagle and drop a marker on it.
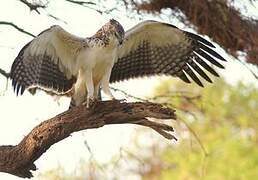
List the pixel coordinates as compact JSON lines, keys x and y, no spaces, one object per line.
{"x":61,"y":63}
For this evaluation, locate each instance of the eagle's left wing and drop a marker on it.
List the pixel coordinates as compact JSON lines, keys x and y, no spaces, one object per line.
{"x":48,"y":62}
{"x":152,"y":48}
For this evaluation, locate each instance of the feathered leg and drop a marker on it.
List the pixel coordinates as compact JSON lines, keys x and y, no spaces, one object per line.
{"x":89,"y":86}
{"x":97,"y":93}
{"x":80,"y":91}
{"x":105,"y":83}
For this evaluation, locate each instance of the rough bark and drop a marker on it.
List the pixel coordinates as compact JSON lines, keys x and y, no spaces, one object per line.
{"x":19,"y":159}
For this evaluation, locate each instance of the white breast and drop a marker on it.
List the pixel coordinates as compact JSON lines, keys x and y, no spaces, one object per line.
{"x":99,"y":57}
{"x":98,"y":60}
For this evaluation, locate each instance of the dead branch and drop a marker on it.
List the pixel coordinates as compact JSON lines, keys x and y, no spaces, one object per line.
{"x":16,"y":27}
{"x":19,"y":159}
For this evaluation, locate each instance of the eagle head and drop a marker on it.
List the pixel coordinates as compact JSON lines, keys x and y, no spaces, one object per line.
{"x":117,"y":30}
{"x":112,"y":29}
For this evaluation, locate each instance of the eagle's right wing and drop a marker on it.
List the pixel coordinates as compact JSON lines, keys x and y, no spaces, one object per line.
{"x":48,"y":62}
{"x":155,"y":48}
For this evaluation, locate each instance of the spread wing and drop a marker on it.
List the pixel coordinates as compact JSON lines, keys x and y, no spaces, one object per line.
{"x":47,"y":62}
{"x":153,"y":48}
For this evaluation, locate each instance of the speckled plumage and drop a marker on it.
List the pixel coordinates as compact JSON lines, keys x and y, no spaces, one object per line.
{"x":59,"y":62}
{"x":63,"y":64}
{"x":41,"y":72}
{"x":170,"y":58}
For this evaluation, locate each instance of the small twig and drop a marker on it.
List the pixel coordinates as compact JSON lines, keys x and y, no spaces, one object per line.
{"x":82,"y":3}
{"x":249,"y":69}
{"x":33,"y":6}
{"x":129,"y":95}
{"x":195,"y":136}
{"x":7,"y":75}
{"x":186,"y":97}
{"x":177,"y":94}
{"x":89,"y":5}
{"x":56,"y":18}
{"x":187,"y":126}
{"x":4,"y":73}
{"x":16,"y":27}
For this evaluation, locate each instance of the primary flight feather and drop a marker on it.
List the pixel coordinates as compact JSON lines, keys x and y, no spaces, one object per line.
{"x":61,"y":63}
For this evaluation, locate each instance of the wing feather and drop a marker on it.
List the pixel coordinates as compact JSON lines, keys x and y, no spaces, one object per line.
{"x":47,"y":62}
{"x":199,"y":38}
{"x":153,"y":48}
{"x":200,"y":71}
{"x":190,"y":72}
{"x":209,"y":58}
{"x":183,"y":77}
{"x":212,"y":52}
{"x":205,"y":65}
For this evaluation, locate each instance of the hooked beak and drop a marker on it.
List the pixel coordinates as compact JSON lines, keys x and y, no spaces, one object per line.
{"x":120,"y":41}
{"x":119,"y":38}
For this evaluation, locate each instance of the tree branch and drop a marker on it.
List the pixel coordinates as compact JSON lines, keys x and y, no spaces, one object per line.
{"x":87,"y":4}
{"x":82,"y":3}
{"x":16,"y":27}
{"x":33,"y":6}
{"x":19,"y":160}
{"x":4,"y":73}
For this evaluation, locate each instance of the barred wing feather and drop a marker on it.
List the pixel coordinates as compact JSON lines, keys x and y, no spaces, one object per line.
{"x":154,"y":48}
{"x":47,"y":62}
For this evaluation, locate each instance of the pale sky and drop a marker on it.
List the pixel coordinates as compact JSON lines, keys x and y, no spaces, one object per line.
{"x":20,"y":114}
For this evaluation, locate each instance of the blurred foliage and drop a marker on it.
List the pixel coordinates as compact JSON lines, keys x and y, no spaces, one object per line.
{"x":225,"y":119}
{"x":217,"y":131}
{"x":89,"y":170}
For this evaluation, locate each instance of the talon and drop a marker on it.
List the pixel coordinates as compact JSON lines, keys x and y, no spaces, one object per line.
{"x":89,"y":102}
{"x":122,"y":100}
{"x":119,"y":100}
